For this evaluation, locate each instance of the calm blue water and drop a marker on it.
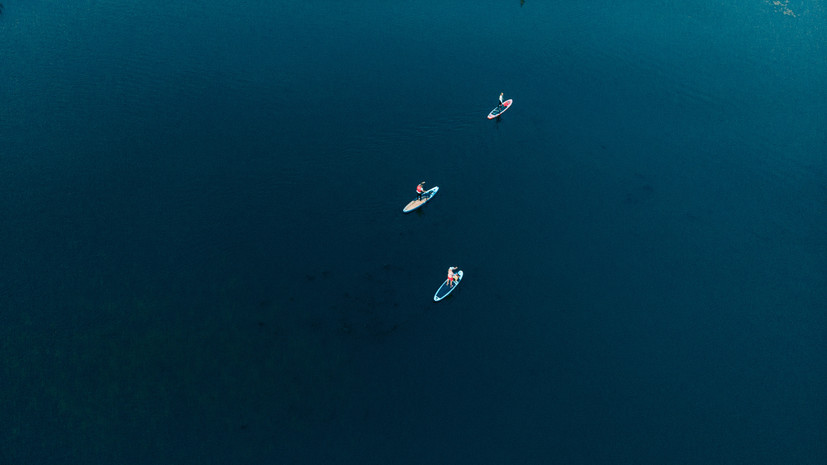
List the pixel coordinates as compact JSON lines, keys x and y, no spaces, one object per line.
{"x":203,"y":257}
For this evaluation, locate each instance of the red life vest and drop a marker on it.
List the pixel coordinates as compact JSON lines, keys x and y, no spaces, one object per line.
{"x":419,"y":189}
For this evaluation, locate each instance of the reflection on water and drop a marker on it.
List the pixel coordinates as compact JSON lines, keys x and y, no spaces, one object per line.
{"x":784,"y":7}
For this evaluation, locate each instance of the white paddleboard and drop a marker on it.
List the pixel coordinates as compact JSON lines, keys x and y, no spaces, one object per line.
{"x":445,"y":289}
{"x":500,"y":109}
{"x":426,"y":196}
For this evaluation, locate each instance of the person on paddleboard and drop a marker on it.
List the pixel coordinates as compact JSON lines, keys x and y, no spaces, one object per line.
{"x":420,"y":190}
{"x":451,"y":276}
{"x":501,"y":100}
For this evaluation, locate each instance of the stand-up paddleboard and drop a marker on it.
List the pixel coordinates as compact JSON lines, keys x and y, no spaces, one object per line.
{"x":500,"y":109}
{"x":426,"y":196}
{"x":445,"y":289}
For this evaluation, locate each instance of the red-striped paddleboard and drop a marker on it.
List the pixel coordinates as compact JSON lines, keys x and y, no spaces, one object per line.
{"x":500,"y":109}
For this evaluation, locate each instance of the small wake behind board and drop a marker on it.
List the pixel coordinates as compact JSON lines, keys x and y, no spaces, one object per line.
{"x":500,"y":109}
{"x":445,"y":289}
{"x":426,"y":196}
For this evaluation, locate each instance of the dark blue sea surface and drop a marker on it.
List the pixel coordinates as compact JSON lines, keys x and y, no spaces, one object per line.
{"x":204,"y":259}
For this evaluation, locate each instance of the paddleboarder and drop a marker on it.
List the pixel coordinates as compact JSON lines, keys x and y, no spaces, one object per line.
{"x":420,"y":190}
{"x":451,"y":276}
{"x":501,"y":100}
